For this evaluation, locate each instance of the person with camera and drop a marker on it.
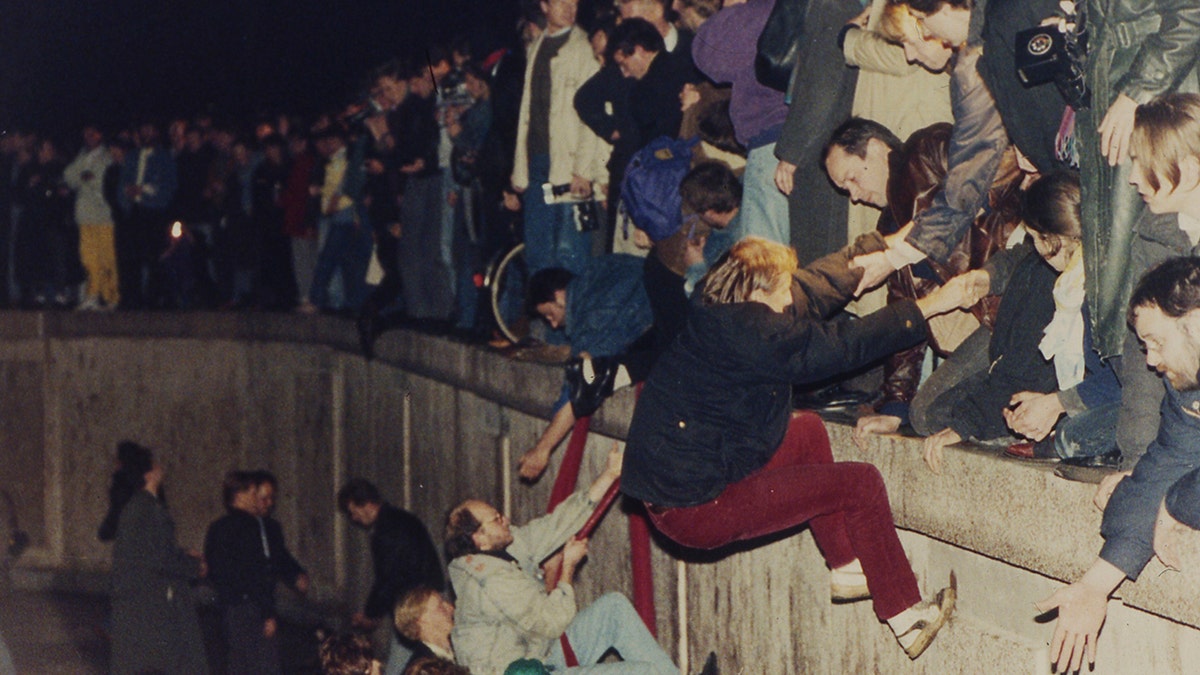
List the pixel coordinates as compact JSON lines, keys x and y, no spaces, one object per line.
{"x":553,"y":145}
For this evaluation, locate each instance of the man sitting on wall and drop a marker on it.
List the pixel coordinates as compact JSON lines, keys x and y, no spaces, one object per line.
{"x":504,"y":612}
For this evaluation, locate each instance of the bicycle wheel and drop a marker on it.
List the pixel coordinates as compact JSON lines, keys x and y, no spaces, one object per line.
{"x":507,"y":283}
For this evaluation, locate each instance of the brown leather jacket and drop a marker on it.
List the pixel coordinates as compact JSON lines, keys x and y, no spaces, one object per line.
{"x":916,"y":174}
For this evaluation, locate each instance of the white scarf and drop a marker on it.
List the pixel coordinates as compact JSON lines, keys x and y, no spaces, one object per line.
{"x":1063,"y":339}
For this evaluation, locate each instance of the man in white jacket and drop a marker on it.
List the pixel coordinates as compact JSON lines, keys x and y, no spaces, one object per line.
{"x":85,"y":175}
{"x":553,"y":145}
{"x":504,"y":612}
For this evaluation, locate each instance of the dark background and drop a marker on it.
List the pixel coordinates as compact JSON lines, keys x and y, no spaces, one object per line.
{"x":65,"y":62}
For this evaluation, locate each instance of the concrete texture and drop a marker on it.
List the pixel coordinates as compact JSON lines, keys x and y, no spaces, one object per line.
{"x":433,"y":422}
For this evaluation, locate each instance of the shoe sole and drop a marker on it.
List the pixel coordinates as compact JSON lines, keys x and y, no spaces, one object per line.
{"x":947,"y":597}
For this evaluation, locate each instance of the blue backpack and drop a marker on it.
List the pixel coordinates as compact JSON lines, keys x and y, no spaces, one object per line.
{"x":650,"y":191}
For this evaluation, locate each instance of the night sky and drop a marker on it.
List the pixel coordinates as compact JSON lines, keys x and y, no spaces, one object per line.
{"x":64,"y":62}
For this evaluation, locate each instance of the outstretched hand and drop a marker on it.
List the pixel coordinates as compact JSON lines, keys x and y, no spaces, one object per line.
{"x":870,"y":425}
{"x":533,"y":463}
{"x":934,"y":445}
{"x":1081,"y":613}
{"x":875,"y":266}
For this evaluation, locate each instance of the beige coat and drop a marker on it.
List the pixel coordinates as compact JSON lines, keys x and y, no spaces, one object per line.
{"x":574,"y":149}
{"x":503,"y":611}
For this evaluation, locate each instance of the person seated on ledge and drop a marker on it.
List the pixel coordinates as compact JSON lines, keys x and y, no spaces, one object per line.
{"x":716,"y":454}
{"x":914,"y":171}
{"x":1089,"y":393}
{"x":603,"y":311}
{"x":1037,"y":352}
{"x":504,"y":611}
{"x":1165,"y":313}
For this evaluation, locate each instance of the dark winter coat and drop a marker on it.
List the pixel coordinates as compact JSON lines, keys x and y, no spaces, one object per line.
{"x":717,"y":404}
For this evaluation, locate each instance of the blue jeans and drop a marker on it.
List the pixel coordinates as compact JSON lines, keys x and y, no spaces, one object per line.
{"x":448,"y":224}
{"x":764,"y":211}
{"x":611,"y":623}
{"x":1090,"y":433}
{"x":551,"y":239}
{"x":347,"y":248}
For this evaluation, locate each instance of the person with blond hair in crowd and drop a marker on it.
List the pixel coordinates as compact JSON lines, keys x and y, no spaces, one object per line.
{"x":426,"y":618}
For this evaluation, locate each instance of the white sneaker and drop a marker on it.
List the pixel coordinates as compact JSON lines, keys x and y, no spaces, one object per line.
{"x":919,"y":624}
{"x":89,"y":304}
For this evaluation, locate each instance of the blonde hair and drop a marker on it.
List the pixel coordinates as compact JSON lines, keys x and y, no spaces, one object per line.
{"x":409,"y":610}
{"x":897,"y":23}
{"x":1166,"y":131}
{"x":752,"y":264}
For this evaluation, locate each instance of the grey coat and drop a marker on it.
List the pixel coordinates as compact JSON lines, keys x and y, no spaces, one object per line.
{"x":154,"y":624}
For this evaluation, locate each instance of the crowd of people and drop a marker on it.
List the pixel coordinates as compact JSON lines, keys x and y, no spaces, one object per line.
{"x":694,"y":224}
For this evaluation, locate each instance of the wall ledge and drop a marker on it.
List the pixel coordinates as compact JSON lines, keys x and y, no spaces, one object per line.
{"x":1012,"y":511}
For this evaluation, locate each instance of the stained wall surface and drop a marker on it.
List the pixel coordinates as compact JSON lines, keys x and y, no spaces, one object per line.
{"x":433,"y":422}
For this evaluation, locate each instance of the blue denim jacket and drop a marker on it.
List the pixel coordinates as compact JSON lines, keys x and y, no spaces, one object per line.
{"x":607,"y":306}
{"x":1128,"y":525}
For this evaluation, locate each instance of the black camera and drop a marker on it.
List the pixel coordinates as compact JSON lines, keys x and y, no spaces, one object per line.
{"x":1047,"y":54}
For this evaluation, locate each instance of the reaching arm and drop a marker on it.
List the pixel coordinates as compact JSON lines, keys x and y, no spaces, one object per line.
{"x":1082,"y":608}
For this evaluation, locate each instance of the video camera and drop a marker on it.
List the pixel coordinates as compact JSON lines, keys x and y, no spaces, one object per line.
{"x":1056,"y":52}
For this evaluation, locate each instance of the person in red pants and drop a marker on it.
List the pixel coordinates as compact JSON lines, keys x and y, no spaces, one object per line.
{"x":717,"y":455}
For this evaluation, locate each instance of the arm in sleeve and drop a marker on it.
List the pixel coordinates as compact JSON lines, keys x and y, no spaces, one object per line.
{"x":976,"y":146}
{"x":73,"y":173}
{"x":811,"y":350}
{"x":286,"y":565}
{"x":716,"y":55}
{"x":540,"y":537}
{"x":869,"y":51}
{"x":165,"y":181}
{"x":1183,"y":500}
{"x":522,"y":600}
{"x":145,"y":541}
{"x":825,"y":285}
{"x":1000,"y":266}
{"x":1165,"y":56}
{"x":590,"y":100}
{"x":591,"y":151}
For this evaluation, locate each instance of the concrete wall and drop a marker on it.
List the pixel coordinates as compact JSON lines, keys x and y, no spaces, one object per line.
{"x":433,"y":422}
